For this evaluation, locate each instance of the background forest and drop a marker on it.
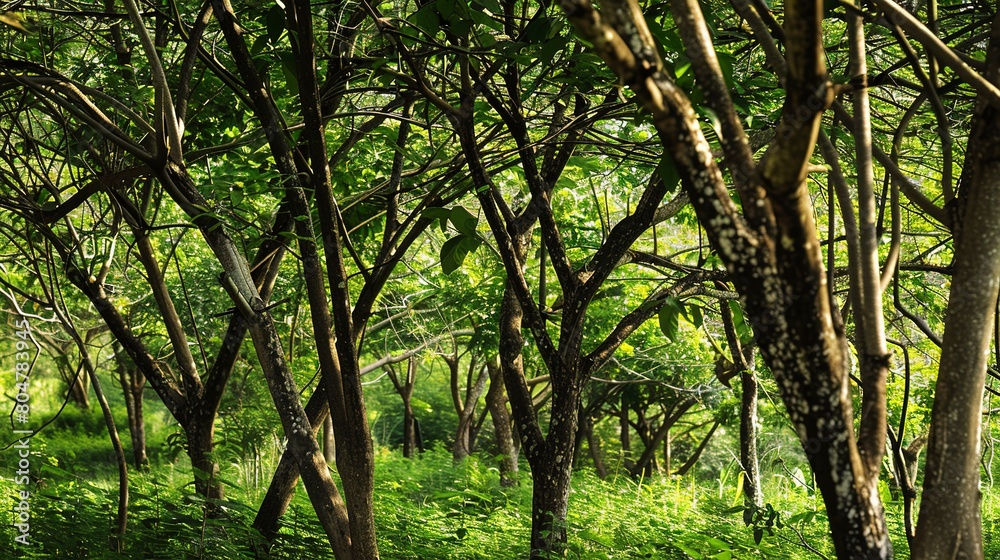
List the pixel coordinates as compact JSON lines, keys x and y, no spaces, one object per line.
{"x":497,"y":279}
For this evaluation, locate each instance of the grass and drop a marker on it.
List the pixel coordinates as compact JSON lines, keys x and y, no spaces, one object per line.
{"x":426,"y":508}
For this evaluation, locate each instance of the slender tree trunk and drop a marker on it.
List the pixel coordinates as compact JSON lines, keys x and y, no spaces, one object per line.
{"x":623,"y":430}
{"x":752,"y":491}
{"x":329,"y":441}
{"x":646,"y":462}
{"x":496,"y":402}
{"x":743,"y":362}
{"x":950,"y":524}
{"x":133,"y":383}
{"x":79,"y":385}
{"x":302,"y":444}
{"x":475,"y":382}
{"x":409,"y":430}
{"x":668,"y":452}
{"x":404,"y":387}
{"x":116,"y":542}
{"x":595,"y":449}
{"x":286,"y":475}
{"x":121,"y":521}
{"x":693,"y":459}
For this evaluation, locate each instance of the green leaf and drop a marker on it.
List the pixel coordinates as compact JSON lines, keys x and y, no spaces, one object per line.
{"x":669,"y":314}
{"x":440,"y":214}
{"x":427,"y":19}
{"x":720,"y":544}
{"x":758,"y":534}
{"x":541,"y":29}
{"x":236,"y":196}
{"x":713,"y":119}
{"x":454,"y":251}
{"x":446,"y":8}
{"x":695,"y":317}
{"x":291,"y":73}
{"x":464,"y":221}
{"x":668,"y":173}
{"x":492,"y":5}
{"x":275,"y":22}
{"x":739,"y":321}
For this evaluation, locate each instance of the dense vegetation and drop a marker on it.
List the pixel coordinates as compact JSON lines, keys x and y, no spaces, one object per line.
{"x":500,"y":278}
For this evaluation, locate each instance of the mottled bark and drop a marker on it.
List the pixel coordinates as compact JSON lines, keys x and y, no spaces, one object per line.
{"x":496,"y":403}
{"x":551,"y":474}
{"x":950,"y":524}
{"x":286,"y":475}
{"x":772,"y":251}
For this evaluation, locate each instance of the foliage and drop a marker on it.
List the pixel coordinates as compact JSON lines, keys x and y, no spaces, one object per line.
{"x":428,"y":507}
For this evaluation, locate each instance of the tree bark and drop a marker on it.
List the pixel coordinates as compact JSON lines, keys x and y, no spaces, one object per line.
{"x":950,"y":524}
{"x":551,"y":473}
{"x":286,"y":475}
{"x":743,"y":361}
{"x":770,"y":247}
{"x":595,"y":449}
{"x":496,"y":403}
{"x":133,"y":383}
{"x":404,"y":388}
{"x":465,"y":407}
{"x":329,"y":441}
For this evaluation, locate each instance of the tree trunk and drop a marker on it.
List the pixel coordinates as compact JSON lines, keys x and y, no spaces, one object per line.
{"x":551,"y":473}
{"x":404,"y":387}
{"x":116,"y":542}
{"x":78,"y":387}
{"x":475,"y":382}
{"x":668,"y":452}
{"x":133,"y":383}
{"x":286,"y":475}
{"x":200,"y":435}
{"x":693,"y":459}
{"x":329,"y":441}
{"x":743,"y":361}
{"x":769,"y":244}
{"x":950,"y":524}
{"x":409,"y":430}
{"x":595,"y":448}
{"x":645,"y":464}
{"x":623,"y":430}
{"x":748,"y":441}
{"x":496,"y":402}
{"x":302,"y":445}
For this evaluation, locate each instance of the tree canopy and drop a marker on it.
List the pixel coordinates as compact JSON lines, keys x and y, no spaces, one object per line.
{"x":619,"y":212}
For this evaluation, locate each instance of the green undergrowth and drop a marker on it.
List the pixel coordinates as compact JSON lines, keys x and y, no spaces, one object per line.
{"x":429,"y":508}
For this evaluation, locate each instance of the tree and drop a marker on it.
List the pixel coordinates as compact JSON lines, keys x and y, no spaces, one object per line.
{"x":770,"y":247}
{"x":338,"y":136}
{"x":950,"y":521}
